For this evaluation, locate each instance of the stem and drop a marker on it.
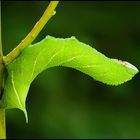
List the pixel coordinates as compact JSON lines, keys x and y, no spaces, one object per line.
{"x":1,"y":53}
{"x":2,"y":124}
{"x":2,"y":111}
{"x":49,"y":12}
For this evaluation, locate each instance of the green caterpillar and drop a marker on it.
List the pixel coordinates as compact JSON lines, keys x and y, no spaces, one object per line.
{"x":52,"y":52}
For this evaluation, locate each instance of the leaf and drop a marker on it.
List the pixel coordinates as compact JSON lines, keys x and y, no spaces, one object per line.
{"x":52,"y":52}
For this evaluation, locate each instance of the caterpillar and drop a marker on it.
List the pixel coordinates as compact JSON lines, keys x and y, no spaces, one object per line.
{"x":51,"y":52}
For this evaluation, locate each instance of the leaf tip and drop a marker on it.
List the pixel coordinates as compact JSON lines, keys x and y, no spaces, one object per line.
{"x":131,"y":68}
{"x":26,"y":115}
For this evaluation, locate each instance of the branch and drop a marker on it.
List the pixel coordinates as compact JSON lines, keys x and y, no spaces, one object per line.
{"x":2,"y":111}
{"x":49,"y":12}
{"x":1,"y":52}
{"x":2,"y":124}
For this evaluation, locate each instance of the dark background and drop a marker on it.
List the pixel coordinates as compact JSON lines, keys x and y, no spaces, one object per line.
{"x":63,"y":102}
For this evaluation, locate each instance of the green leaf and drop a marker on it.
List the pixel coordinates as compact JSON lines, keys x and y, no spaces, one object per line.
{"x":52,"y":52}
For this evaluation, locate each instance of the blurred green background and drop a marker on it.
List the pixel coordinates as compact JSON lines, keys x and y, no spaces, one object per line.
{"x":63,"y":102}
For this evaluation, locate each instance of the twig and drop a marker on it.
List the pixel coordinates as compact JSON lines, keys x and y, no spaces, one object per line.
{"x":49,"y":12}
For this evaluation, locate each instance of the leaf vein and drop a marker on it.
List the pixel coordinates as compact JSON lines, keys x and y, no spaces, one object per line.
{"x":15,"y":91}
